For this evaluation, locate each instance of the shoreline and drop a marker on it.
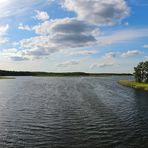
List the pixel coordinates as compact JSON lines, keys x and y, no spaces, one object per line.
{"x":5,"y":78}
{"x":133,"y":84}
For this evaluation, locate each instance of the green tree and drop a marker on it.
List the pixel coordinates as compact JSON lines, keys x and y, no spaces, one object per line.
{"x":141,"y":72}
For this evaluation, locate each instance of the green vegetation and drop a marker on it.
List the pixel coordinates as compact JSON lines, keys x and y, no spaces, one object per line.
{"x":141,"y":72}
{"x":134,"y":84}
{"x":51,"y":74}
{"x":6,"y":77}
{"x":141,"y":77}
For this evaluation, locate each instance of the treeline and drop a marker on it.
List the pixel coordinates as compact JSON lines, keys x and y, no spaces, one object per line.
{"x":15,"y":73}
{"x":27,"y":73}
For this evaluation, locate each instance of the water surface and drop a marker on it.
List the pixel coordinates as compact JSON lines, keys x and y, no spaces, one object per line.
{"x":72,"y":112}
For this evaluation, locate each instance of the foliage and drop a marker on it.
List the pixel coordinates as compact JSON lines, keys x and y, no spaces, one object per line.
{"x":141,"y":72}
{"x":134,"y":84}
{"x":7,"y":77}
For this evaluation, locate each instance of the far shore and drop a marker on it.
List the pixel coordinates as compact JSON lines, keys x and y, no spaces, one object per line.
{"x":5,"y":77}
{"x":133,"y":84}
{"x":57,"y":74}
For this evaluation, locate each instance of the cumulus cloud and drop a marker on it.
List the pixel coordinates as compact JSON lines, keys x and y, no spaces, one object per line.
{"x":132,"y":53}
{"x":67,"y":32}
{"x":66,"y":25}
{"x":68,"y":63}
{"x":68,"y":35}
{"x":58,"y":35}
{"x":99,"y":12}
{"x":107,"y":60}
{"x":3,"y":33}
{"x":61,"y":35}
{"x":14,"y":54}
{"x":9,"y":51}
{"x":37,"y":47}
{"x":41,"y":15}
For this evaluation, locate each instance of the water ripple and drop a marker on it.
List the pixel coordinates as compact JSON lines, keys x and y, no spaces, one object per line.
{"x":72,"y":113}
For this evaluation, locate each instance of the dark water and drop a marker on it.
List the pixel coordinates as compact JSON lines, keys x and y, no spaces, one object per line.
{"x":72,"y":113}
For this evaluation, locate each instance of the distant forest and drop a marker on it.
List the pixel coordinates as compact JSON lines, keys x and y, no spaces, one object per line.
{"x":27,"y":73}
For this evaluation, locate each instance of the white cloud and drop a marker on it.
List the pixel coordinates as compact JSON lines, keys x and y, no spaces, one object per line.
{"x":3,"y":40}
{"x":145,"y":46}
{"x":106,"y":61}
{"x":41,"y":15}
{"x":59,"y":35}
{"x":37,"y":47}
{"x":3,"y":29}
{"x":81,"y":52}
{"x":16,"y":7}
{"x":8,"y":52}
{"x":68,"y":63}
{"x":102,"y":65}
{"x":110,"y":55}
{"x":100,"y":12}
{"x":24,"y":27}
{"x":3,"y":33}
{"x":65,"y":25}
{"x":132,"y":53}
{"x":13,"y":54}
{"x":18,"y":58}
{"x":67,"y":32}
{"x":68,"y":35}
{"x":121,"y":36}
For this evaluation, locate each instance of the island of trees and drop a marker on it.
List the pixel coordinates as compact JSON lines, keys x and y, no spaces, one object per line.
{"x":140,"y":75}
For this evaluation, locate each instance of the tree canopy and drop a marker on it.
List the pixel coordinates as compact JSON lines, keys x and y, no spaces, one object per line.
{"x":141,"y":72}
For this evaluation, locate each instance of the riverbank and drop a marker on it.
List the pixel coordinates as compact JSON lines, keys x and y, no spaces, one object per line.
{"x":134,"y":84}
{"x":7,"y":78}
{"x":56,"y":74}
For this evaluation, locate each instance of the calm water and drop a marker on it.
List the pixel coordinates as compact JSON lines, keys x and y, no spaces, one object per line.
{"x":72,"y":113}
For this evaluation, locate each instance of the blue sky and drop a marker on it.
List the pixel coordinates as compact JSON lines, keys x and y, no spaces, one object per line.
{"x":73,"y":35}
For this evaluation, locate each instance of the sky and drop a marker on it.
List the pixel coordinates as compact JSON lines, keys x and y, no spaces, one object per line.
{"x":73,"y":35}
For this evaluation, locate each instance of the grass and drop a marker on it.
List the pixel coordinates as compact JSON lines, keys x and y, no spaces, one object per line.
{"x":134,"y":84}
{"x":7,"y":77}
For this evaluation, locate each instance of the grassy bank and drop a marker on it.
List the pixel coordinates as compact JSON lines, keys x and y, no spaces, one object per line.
{"x":134,"y":84}
{"x":6,"y":77}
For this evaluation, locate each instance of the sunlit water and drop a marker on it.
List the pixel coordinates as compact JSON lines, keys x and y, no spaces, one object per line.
{"x":71,"y":112}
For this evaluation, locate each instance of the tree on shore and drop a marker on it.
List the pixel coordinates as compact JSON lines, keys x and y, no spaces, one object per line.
{"x":141,"y":72}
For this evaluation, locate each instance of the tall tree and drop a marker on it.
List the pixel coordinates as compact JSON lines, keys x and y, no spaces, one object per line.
{"x":141,"y":72}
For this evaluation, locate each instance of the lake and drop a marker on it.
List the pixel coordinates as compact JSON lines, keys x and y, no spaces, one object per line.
{"x":72,"y":112}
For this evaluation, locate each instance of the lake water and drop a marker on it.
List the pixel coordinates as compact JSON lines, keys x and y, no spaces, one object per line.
{"x":72,"y":112}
